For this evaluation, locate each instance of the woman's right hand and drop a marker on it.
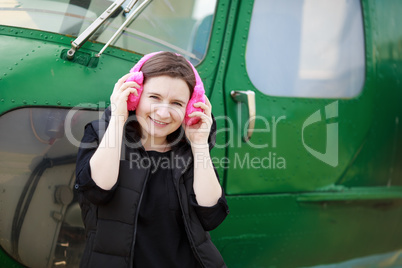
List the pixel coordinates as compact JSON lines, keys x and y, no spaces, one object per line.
{"x":119,"y":97}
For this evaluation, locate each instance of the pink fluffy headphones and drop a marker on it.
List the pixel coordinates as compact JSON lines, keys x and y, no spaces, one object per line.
{"x":138,"y":77}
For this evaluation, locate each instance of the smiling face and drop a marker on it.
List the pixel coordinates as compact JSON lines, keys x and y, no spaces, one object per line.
{"x":162,"y":107}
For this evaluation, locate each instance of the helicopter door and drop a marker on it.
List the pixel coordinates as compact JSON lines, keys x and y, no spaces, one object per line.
{"x":290,"y":63}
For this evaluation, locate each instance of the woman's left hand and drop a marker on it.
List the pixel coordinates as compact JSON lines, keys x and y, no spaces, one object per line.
{"x":198,"y":133}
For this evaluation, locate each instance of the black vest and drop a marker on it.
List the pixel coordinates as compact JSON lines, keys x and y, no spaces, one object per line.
{"x":111,"y":225}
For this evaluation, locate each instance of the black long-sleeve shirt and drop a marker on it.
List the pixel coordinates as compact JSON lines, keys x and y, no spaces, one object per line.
{"x":161,"y":237}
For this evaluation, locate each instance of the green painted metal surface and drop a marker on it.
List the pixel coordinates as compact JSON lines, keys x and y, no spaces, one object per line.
{"x":305,"y":214}
{"x":317,"y":222}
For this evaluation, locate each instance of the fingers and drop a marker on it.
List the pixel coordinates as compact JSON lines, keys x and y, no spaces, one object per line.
{"x":122,"y":90}
{"x":128,"y":91}
{"x":204,"y":117}
{"x":207,"y":107}
{"x":207,"y":102}
{"x":122,"y":85}
{"x":121,"y":81}
{"x":128,"y":85}
{"x":117,"y":95}
{"x":122,"y":98}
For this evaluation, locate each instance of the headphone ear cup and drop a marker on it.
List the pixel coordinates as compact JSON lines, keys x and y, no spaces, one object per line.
{"x":132,"y":101}
{"x":198,"y":96}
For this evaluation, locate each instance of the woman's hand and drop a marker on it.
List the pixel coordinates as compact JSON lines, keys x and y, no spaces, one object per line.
{"x":198,"y":133}
{"x":119,"y":97}
{"x":206,"y":185}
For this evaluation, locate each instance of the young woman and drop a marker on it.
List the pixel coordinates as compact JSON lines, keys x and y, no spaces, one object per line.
{"x":147,"y":186}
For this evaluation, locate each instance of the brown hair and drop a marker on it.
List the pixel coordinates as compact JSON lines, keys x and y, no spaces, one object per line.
{"x":169,"y":64}
{"x":175,"y":66}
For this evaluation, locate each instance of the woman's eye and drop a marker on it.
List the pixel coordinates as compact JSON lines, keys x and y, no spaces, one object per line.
{"x":153,"y":97}
{"x":177,"y":103}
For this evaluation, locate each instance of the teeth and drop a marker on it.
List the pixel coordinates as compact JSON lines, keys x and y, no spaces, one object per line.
{"x":159,"y":122}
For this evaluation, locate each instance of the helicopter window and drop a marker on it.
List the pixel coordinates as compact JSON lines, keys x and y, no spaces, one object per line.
{"x":173,"y":25}
{"x":41,"y":222}
{"x":308,"y":48}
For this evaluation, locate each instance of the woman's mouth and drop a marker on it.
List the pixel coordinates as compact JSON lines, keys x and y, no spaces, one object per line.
{"x":158,"y":122}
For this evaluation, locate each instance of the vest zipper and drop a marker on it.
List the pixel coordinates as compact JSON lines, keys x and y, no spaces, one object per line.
{"x":136,"y":218}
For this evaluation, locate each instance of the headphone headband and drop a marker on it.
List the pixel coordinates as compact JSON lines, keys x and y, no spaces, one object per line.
{"x":137,"y":67}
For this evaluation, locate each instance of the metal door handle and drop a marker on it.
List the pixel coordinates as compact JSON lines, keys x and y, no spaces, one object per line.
{"x":247,"y":97}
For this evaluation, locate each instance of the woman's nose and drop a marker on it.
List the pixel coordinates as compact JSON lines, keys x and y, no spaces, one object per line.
{"x":163,"y":111}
